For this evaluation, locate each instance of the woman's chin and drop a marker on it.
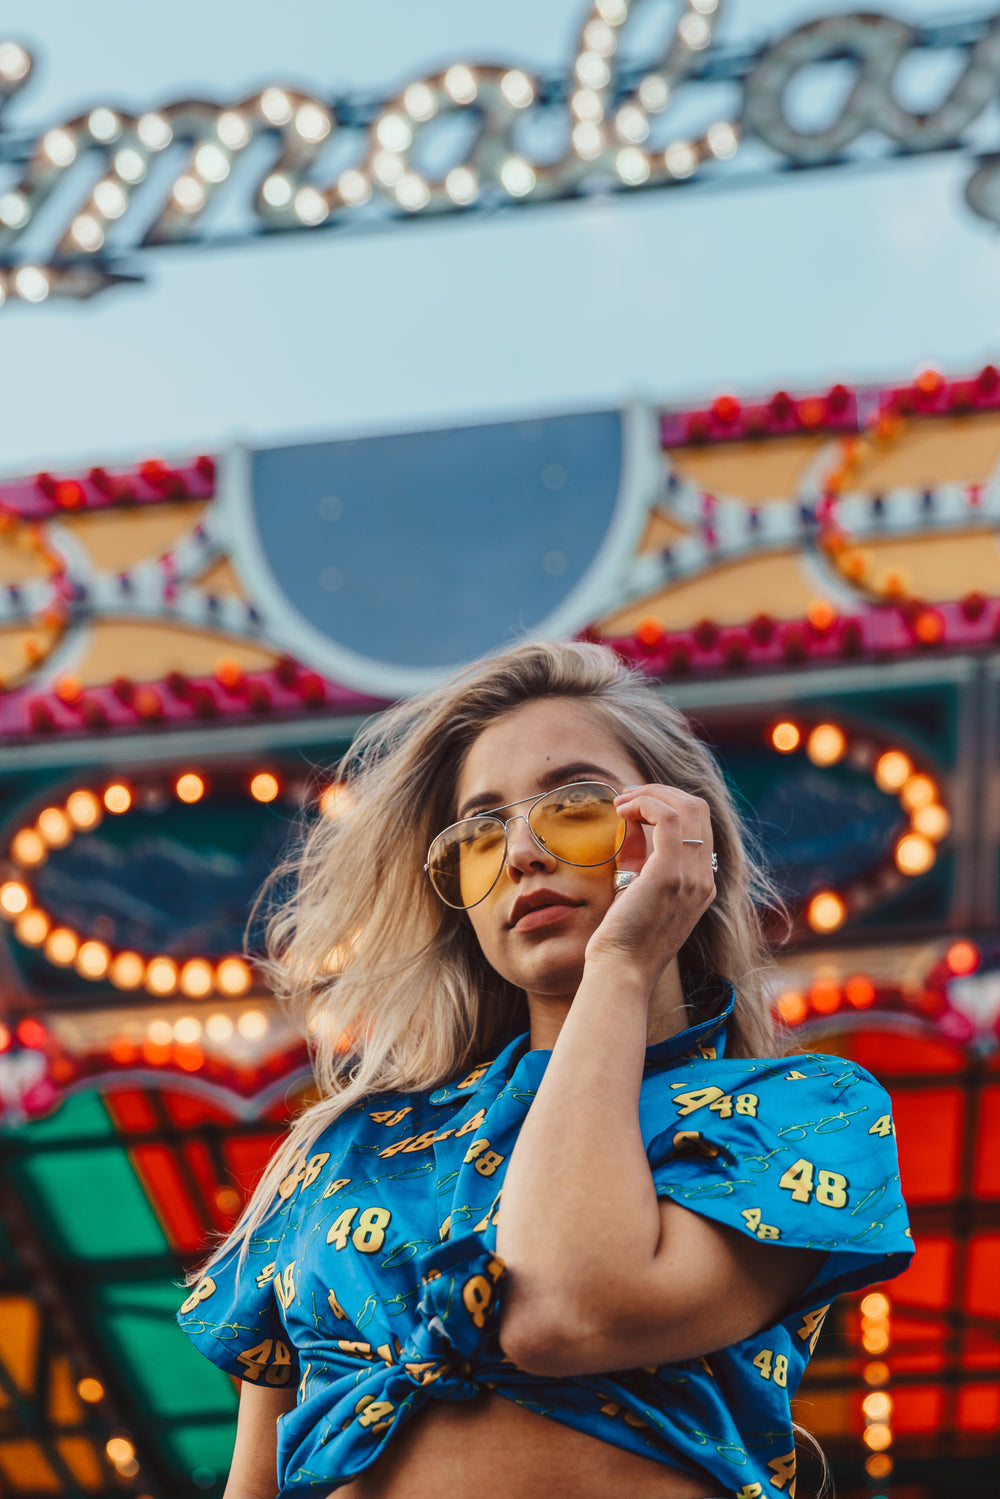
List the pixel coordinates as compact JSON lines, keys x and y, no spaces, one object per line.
{"x":551,"y":974}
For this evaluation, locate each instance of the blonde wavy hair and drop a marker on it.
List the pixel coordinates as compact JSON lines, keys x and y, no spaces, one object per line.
{"x":388,"y":983}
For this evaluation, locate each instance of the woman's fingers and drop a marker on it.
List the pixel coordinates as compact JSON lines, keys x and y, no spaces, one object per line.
{"x":658,"y":820}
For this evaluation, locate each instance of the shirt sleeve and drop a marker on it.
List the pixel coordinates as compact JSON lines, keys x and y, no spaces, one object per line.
{"x":800,"y":1152}
{"x":232,"y":1314}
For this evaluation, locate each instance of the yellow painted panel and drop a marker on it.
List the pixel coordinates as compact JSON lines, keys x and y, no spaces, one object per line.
{"x":25,"y":1467}
{"x":19,"y":561}
{"x":730,"y":595}
{"x":937,"y":568}
{"x":20,"y":647}
{"x":117,"y":539}
{"x":661,"y":531}
{"x":937,"y":450}
{"x":147,"y":651}
{"x":221,"y":578}
{"x":770,"y":468}
{"x":65,"y":1406}
{"x":81,"y":1459}
{"x":19,"y":1329}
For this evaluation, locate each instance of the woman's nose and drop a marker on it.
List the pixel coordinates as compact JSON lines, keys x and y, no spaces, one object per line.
{"x":523,"y":853}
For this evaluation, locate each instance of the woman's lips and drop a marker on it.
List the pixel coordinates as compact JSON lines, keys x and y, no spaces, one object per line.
{"x":543,"y":916}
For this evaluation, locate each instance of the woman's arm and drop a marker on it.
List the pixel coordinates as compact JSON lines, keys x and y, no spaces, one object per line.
{"x":254,"y":1471}
{"x":602,"y":1274}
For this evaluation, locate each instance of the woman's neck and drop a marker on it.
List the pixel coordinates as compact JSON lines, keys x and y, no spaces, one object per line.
{"x":667,"y":1012}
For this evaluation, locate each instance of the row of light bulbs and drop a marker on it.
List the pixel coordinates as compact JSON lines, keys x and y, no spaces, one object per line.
{"x":188,"y":1030}
{"x":919,"y":796}
{"x":84,"y":809}
{"x":876,"y":1405}
{"x":829,"y":992}
{"x":501,"y":93}
{"x":197,"y":978}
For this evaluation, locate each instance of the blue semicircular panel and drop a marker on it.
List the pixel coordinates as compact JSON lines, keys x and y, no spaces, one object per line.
{"x":425,"y":549}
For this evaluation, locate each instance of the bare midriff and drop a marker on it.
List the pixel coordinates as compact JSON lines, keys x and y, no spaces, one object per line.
{"x":490,"y":1448}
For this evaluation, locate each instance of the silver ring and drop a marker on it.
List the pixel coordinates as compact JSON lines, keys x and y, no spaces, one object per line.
{"x":715,"y":863}
{"x":624,"y":878}
{"x":692,"y":840}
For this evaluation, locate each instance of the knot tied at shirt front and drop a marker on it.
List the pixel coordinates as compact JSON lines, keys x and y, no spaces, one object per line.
{"x":456,"y":1339}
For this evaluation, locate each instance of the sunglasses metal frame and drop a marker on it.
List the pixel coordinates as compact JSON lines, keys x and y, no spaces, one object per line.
{"x":492,"y":811}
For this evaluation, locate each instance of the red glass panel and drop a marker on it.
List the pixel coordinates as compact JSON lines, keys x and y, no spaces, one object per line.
{"x":165,"y":1188}
{"x":204,"y":1172}
{"x":927,"y":1281}
{"x":186,"y":1110}
{"x":929,"y":1136}
{"x":917,"y":1408}
{"x":889,"y":1052}
{"x":986,"y":1172}
{"x":131,"y":1110}
{"x":982,"y":1280}
{"x":916,"y":1363}
{"x":979,"y":1407}
{"x":980,"y":1349}
{"x":247,"y":1155}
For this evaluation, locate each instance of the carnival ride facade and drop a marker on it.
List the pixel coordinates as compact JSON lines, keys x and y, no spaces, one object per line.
{"x":188,"y":646}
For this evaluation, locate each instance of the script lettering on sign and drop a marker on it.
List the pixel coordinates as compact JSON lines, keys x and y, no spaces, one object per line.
{"x":160,"y":169}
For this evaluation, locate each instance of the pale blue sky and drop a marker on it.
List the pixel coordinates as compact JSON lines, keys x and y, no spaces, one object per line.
{"x":672,"y":295}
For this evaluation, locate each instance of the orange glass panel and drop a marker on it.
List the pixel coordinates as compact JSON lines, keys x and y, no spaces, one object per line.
{"x":929,"y":1135}
{"x":83,"y":1462}
{"x":65,"y":1408}
{"x":982,"y":1280}
{"x":917,"y":1408}
{"x":979,"y":1407}
{"x":889,"y":1053}
{"x":19,"y":1327}
{"x":26,"y":1469}
{"x":927,"y":1281}
{"x":986,"y":1171}
{"x":826,"y":1413}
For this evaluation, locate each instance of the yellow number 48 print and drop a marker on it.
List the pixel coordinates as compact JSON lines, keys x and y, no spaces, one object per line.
{"x":803,"y":1179}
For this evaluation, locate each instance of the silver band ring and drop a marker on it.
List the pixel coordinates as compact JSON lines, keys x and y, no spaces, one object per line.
{"x":692,"y":840}
{"x":624,"y":878}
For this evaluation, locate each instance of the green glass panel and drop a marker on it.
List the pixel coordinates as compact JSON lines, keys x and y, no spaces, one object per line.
{"x":170,"y":1377}
{"x":208,"y":1447}
{"x":91,"y":1203}
{"x":77,"y":1118}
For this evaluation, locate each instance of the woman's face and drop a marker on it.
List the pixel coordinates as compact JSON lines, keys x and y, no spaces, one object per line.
{"x":533,"y":748}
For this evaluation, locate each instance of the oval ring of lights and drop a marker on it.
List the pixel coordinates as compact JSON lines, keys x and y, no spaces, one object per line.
{"x":54,"y":828}
{"x":894,"y":771}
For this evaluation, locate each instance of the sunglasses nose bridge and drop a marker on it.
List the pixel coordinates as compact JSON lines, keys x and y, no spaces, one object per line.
{"x":515,"y":844}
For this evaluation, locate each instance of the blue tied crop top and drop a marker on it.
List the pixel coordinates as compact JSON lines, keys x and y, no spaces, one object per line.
{"x":374,"y":1282}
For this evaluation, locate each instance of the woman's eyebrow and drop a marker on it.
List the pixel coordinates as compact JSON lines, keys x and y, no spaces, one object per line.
{"x":484,"y":800}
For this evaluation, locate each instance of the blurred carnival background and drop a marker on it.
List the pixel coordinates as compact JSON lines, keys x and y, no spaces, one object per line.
{"x":338,"y":344}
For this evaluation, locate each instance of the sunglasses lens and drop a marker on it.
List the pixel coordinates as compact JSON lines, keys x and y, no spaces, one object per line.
{"x":579,"y":824}
{"x":464,"y":861}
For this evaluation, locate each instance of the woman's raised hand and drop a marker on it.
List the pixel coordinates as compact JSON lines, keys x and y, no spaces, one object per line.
{"x":649,"y":921}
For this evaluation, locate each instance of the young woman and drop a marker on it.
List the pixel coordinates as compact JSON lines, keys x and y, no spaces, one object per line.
{"x":562,"y":1221}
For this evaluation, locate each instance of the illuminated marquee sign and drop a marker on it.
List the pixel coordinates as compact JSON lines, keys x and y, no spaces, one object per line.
{"x":165,"y":167}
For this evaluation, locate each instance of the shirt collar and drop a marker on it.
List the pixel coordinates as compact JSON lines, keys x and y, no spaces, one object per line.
{"x":713,"y":990}
{"x":716,"y":992}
